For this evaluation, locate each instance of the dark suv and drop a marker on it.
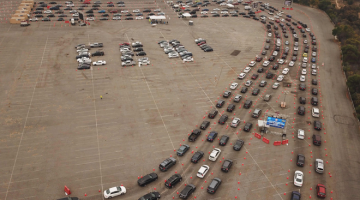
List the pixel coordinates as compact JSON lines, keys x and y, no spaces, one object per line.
{"x":223,"y":119}
{"x":302,"y":100}
{"x":167,"y":164}
{"x":247,"y":104}
{"x":226,"y":165}
{"x":223,"y":140}
{"x":301,"y":110}
{"x":220,"y":103}
{"x":230,"y":108}
{"x":316,"y":140}
{"x":212,"y":114}
{"x":183,"y":149}
{"x":147,"y":179}
{"x":248,"y":126}
{"x":204,"y":125}
{"x":173,"y":180}
{"x":314,"y":101}
{"x":197,"y":156}
{"x":214,"y":185}
{"x":238,"y":144}
{"x":187,"y":191}
{"x":212,"y":135}
{"x":98,"y":53}
{"x":300,"y":160}
{"x":317,"y":125}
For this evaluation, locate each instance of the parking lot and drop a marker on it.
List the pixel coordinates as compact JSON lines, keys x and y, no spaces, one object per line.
{"x":110,"y":125}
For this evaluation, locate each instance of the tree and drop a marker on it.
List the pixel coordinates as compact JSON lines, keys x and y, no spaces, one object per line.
{"x":353,"y":41}
{"x":353,"y":82}
{"x":350,"y":53}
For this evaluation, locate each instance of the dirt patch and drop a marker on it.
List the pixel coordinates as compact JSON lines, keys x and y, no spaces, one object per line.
{"x":235,"y":52}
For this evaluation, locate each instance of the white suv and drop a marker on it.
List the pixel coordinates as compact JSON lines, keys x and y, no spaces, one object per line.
{"x":214,"y":154}
{"x":202,"y":171}
{"x":315,"y":112}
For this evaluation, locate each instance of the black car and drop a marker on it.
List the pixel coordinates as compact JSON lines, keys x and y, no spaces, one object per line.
{"x":223,"y":140}
{"x":227,"y":94}
{"x":254,"y":76}
{"x":167,"y":164}
{"x":314,"y":91}
{"x":98,"y":53}
{"x":46,"y":19}
{"x":84,"y":66}
{"x":197,"y":156}
{"x":128,"y":14}
{"x":230,"y":108}
{"x":129,"y":18}
{"x":37,"y":12}
{"x":151,"y":196}
{"x":173,"y":180}
{"x":263,"y":52}
{"x":223,"y":119}
{"x":39,"y":15}
{"x":60,"y":19}
{"x":225,"y":15}
{"x":141,"y":53}
{"x":260,"y":70}
{"x":204,"y":125}
{"x":82,"y":56}
{"x":147,"y":10}
{"x":213,"y":113}
{"x":89,"y":11}
{"x":216,"y":15}
{"x":187,"y":191}
{"x":238,"y":144}
{"x":302,"y":86}
{"x":255,"y":92}
{"x":300,"y":160}
{"x":62,"y":15}
{"x":247,"y":104}
{"x":104,"y":18}
{"x":236,"y":15}
{"x":183,"y":149}
{"x":314,"y":101}
{"x":271,"y":58}
{"x":110,"y":5}
{"x":54,"y":8}
{"x":214,"y":185}
{"x":302,"y":100}
{"x":247,"y":126}
{"x":105,"y":15}
{"x":314,"y":81}
{"x":316,"y":140}
{"x":226,"y":165}
{"x":212,"y":135}
{"x":317,"y":125}
{"x":138,"y":49}
{"x":69,"y":8}
{"x":220,"y":103}
{"x":147,"y":179}
{"x":39,"y":8}
{"x":194,"y":134}
{"x":301,"y":110}
{"x":50,"y":15}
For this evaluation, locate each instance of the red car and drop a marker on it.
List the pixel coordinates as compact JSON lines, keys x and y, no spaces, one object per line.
{"x":321,"y":190}
{"x":201,"y":43}
{"x":125,"y":44}
{"x":110,"y":2}
{"x":299,"y":27}
{"x":277,"y":21}
{"x":86,"y":2}
{"x":113,"y":11}
{"x":235,"y":3}
{"x":254,"y":76}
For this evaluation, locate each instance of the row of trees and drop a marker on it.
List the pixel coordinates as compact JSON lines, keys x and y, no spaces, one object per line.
{"x":347,"y":30}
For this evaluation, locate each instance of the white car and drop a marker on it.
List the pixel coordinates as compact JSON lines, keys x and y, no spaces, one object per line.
{"x":266,"y":63}
{"x":295,"y":35}
{"x":139,"y":17}
{"x":277,"y":17}
{"x":203,"y":171}
{"x":282,"y":19}
{"x":307,"y":29}
{"x":315,"y":112}
{"x":188,"y":59}
{"x":275,"y":53}
{"x":214,"y":12}
{"x":47,"y":12}
{"x":298,"y":178}
{"x":305,"y":59}
{"x":90,"y":19}
{"x":263,"y":18}
{"x":313,"y":66}
{"x":319,"y":166}
{"x":313,"y":54}
{"x":279,"y":14}
{"x":296,"y":48}
{"x":82,"y":50}
{"x":305,"y":42}
{"x":269,"y":34}
{"x":204,"y":12}
{"x":313,"y":72}
{"x":116,"y":18}
{"x":216,"y":9}
{"x":224,"y":12}
{"x":291,"y":63}
{"x":76,"y":15}
{"x":281,"y":61}
{"x":124,"y":11}
{"x":247,"y":69}
{"x":214,"y":154}
{"x":302,"y":78}
{"x":99,"y":62}
{"x":135,"y":43}
{"x":114,"y":191}
{"x":271,"y":18}
{"x":73,"y":11}
{"x":157,"y":10}
{"x":270,"y":13}
{"x":233,"y":86}
{"x":81,"y":61}
{"x":303,"y":72}
{"x":70,"y":5}
{"x":223,"y":4}
{"x":248,"y":83}
{"x":301,"y":134}
{"x":275,"y":85}
{"x":34,"y":19}
{"x":136,"y":11}
{"x":173,"y":55}
{"x":252,"y":63}
{"x":242,"y":75}
{"x":235,"y":122}
{"x":280,"y":78}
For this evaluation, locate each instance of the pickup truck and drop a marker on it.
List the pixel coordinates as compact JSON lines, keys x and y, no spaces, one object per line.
{"x":194,"y":134}
{"x":98,"y":53}
{"x":96,"y":45}
{"x":128,"y":63}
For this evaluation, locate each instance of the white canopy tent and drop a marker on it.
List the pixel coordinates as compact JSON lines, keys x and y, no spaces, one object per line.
{"x":186,"y":15}
{"x":157,"y":17}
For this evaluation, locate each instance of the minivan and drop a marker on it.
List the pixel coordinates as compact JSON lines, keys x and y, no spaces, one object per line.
{"x":256,"y":113}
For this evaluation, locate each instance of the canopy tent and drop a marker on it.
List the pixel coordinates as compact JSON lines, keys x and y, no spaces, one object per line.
{"x":229,"y":5}
{"x":157,"y":17}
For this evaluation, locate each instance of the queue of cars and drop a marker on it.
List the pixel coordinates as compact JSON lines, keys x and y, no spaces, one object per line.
{"x":175,"y":49}
{"x":83,"y":57}
{"x":127,"y":52}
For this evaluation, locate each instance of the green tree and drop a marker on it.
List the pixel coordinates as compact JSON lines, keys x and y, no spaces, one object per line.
{"x":350,"y":53}
{"x":353,"y":82}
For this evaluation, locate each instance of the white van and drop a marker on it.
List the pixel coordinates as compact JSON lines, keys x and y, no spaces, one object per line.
{"x":247,"y":7}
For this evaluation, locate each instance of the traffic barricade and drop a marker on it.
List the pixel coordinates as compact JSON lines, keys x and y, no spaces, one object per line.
{"x":277,"y":143}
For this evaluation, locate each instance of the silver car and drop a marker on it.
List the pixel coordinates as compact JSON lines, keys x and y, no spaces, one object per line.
{"x":319,"y":166}
{"x":267,"y":97}
{"x":237,"y":98}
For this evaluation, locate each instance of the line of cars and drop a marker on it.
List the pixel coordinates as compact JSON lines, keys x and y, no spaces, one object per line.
{"x":175,"y":49}
{"x":203,"y":45}
{"x":83,"y":57}
{"x":127,"y":53}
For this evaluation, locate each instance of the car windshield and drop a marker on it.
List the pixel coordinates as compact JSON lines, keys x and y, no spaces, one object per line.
{"x":298,"y":180}
{"x":107,"y":191}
